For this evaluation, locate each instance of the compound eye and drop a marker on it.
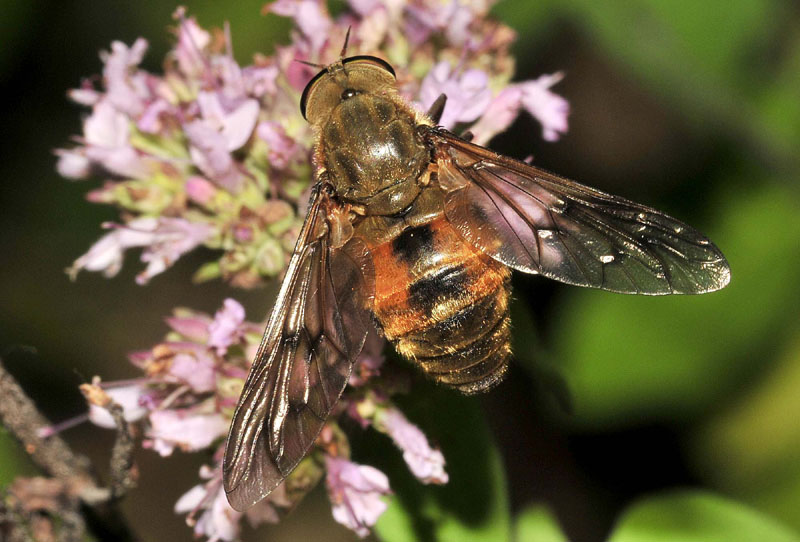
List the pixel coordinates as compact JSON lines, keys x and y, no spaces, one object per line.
{"x":306,"y":90}
{"x":374,"y":60}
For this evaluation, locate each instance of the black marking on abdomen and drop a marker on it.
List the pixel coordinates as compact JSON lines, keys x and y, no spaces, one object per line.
{"x":449,"y":283}
{"x":410,"y":245}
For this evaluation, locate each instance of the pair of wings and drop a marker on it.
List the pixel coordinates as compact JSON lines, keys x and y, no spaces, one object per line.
{"x":521,"y":216}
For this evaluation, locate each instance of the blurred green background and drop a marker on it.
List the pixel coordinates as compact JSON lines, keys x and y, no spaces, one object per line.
{"x":685,"y":411}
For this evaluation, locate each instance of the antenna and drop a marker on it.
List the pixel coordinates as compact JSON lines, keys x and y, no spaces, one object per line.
{"x":341,"y":55}
{"x":312,"y":64}
{"x":346,"y":39}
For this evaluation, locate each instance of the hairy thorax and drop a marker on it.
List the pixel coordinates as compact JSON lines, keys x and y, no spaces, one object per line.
{"x":373,"y":154}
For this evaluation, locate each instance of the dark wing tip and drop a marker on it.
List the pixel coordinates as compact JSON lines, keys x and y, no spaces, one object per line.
{"x":537,"y":222}
{"x":718,"y":273}
{"x":243,"y":497}
{"x":246,"y":485}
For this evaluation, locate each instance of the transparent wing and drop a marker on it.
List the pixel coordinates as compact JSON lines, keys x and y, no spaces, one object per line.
{"x":536,"y":222}
{"x":313,"y":337}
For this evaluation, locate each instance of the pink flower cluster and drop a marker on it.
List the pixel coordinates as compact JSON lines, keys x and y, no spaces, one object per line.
{"x":185,"y":400}
{"x":214,"y":154}
{"x":204,"y":154}
{"x":210,"y":153}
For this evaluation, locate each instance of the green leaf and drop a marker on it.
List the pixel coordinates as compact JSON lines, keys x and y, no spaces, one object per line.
{"x":550,"y":391}
{"x":13,"y":461}
{"x":207,"y":271}
{"x":704,"y":57}
{"x":631,"y":357}
{"x":723,"y":64}
{"x":751,"y":448}
{"x":536,"y":523}
{"x":713,"y":35}
{"x":14,"y":25}
{"x":250,"y":31}
{"x":779,"y":108}
{"x":473,"y":505}
{"x":530,"y":20}
{"x":695,"y":516}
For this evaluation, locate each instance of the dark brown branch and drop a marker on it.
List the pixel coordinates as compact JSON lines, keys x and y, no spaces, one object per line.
{"x":21,"y":417}
{"x":123,"y":471}
{"x":73,"y":494}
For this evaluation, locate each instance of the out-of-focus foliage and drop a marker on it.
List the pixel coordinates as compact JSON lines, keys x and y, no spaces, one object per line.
{"x":537,"y":524}
{"x":473,"y":505}
{"x":694,"y":516}
{"x":716,"y":59}
{"x":683,"y":515}
{"x":12,"y":461}
{"x":750,"y":449}
{"x":728,"y":364}
{"x":628,"y":358}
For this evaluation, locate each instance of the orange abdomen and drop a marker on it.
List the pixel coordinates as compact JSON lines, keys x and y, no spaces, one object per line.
{"x":444,"y":305}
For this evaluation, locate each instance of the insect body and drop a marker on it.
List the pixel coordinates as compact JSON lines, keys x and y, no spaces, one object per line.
{"x":415,"y":229}
{"x":442,"y":302}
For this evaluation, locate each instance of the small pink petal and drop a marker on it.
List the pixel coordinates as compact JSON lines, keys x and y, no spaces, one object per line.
{"x":550,"y":109}
{"x":190,"y":500}
{"x":452,"y":17}
{"x":200,"y":190}
{"x":139,"y":357}
{"x":184,"y":429}
{"x":374,"y":28}
{"x":282,"y":148}
{"x":106,"y":135}
{"x":122,"y":89}
{"x":85,"y":95}
{"x":500,"y":114}
{"x":150,"y":120}
{"x":238,"y":125}
{"x":297,"y":73}
{"x":193,"y":328}
{"x":226,"y":328}
{"x":468,"y":93}
{"x":106,"y":254}
{"x":72,"y":164}
{"x":124,"y":161}
{"x":426,"y":463}
{"x":217,"y":520}
{"x":172,"y":238}
{"x":166,"y":240}
{"x":106,"y":126}
{"x":365,"y":7}
{"x":209,"y":152}
{"x":192,"y":42}
{"x":260,"y":81}
{"x":458,"y":22}
{"x":355,"y":492}
{"x":310,"y":16}
{"x":263,"y":512}
{"x":198,"y":372}
{"x":128,"y":397}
